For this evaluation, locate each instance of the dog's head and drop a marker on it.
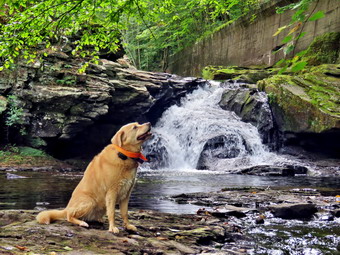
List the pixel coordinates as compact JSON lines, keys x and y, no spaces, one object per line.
{"x":132,"y":135}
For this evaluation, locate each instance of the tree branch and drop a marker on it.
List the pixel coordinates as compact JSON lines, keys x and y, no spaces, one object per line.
{"x":141,"y":16}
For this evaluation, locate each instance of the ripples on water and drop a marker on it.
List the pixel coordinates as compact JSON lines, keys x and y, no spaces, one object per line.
{"x":153,"y":188}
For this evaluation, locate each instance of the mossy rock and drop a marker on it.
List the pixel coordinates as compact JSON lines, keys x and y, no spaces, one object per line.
{"x":307,"y":102}
{"x":324,"y":49}
{"x":3,"y":104}
{"x":245,"y":74}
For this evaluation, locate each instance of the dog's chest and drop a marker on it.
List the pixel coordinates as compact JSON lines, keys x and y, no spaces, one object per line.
{"x":126,"y":185}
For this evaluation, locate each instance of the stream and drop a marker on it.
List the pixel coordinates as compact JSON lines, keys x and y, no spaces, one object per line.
{"x":152,"y":191}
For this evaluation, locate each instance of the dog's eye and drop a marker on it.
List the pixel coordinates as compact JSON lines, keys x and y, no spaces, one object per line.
{"x":134,"y":127}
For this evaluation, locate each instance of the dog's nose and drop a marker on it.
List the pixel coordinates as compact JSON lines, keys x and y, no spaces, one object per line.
{"x":148,"y":123}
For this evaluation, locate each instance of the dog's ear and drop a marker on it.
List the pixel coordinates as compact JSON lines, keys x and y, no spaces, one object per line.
{"x":118,"y":138}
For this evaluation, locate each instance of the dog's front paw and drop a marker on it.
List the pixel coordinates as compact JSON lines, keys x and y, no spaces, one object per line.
{"x":113,"y":229}
{"x":131,"y":227}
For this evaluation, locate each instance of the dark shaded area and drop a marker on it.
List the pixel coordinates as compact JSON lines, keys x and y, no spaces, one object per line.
{"x":326,"y":143}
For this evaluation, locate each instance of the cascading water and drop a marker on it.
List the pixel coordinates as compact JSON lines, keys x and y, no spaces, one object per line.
{"x":199,"y":134}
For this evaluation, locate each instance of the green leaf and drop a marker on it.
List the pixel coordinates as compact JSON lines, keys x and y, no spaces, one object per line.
{"x":279,"y":30}
{"x":301,"y":35}
{"x":281,"y":61}
{"x":288,"y":49}
{"x":317,"y":15}
{"x":301,"y":53}
{"x":282,"y":70}
{"x":287,"y":39}
{"x":2,"y":2}
{"x":298,"y":66}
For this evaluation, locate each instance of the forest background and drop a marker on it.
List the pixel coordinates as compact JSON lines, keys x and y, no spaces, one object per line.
{"x":149,"y":31}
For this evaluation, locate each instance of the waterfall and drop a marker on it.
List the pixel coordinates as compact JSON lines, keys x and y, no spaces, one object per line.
{"x":199,"y":134}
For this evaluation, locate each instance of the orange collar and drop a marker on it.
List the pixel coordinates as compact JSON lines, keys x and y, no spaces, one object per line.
{"x":134,"y":155}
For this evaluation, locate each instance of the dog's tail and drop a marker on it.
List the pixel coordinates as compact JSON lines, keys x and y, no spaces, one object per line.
{"x":46,"y":217}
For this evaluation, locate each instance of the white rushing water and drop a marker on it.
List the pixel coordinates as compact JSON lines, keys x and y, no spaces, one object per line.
{"x":182,"y":132}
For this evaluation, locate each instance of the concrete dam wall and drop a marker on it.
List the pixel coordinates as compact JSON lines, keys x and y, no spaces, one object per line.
{"x":246,"y":43}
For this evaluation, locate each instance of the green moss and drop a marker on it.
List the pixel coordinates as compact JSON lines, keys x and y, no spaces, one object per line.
{"x":26,"y":157}
{"x":272,"y":98}
{"x":308,"y":102}
{"x":323,"y":50}
{"x":249,"y":75}
{"x":36,"y":142}
{"x":28,"y":151}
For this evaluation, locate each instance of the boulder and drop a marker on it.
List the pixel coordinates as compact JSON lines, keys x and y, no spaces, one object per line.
{"x":230,"y":210}
{"x":293,"y":211}
{"x":224,"y":146}
{"x":306,"y":107}
{"x":252,"y":106}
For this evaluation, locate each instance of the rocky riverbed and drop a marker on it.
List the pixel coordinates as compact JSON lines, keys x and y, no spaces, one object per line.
{"x":231,"y":221}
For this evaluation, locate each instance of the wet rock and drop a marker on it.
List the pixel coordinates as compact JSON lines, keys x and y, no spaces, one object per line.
{"x":336,"y":213}
{"x":260,"y":219}
{"x":157,"y":153}
{"x":229,"y":210}
{"x":293,"y":211}
{"x":275,"y":233}
{"x":265,"y":170}
{"x":225,"y":146}
{"x":327,"y":217}
{"x":253,"y":107}
{"x":14,"y":176}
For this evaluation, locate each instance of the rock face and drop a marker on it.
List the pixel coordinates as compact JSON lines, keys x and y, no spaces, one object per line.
{"x":76,"y":114}
{"x":252,"y":106}
{"x":306,"y":107}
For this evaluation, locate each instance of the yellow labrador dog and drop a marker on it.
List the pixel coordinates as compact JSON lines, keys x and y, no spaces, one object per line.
{"x":107,"y":181}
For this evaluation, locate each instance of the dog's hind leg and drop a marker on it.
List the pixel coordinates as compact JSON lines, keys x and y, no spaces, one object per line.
{"x":79,"y":210}
{"x":77,"y":221}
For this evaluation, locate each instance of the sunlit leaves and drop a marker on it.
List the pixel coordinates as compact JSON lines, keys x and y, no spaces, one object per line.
{"x":279,"y":30}
{"x":287,"y":39}
{"x":317,"y":15}
{"x":298,"y":66}
{"x":296,"y":27}
{"x":33,"y":26}
{"x":300,"y":16}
